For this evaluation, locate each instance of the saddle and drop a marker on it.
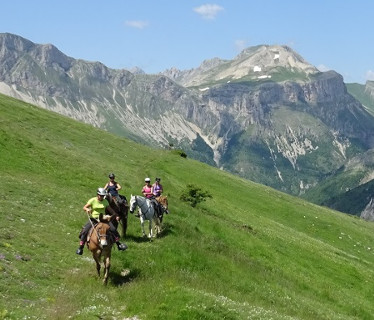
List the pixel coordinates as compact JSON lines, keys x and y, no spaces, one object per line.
{"x":90,"y":233}
{"x":156,"y":207}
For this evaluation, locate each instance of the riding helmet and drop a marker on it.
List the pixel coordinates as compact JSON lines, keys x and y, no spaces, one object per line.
{"x":111,"y":176}
{"x":158,"y":179}
{"x":101,"y":191}
{"x":147,"y":180}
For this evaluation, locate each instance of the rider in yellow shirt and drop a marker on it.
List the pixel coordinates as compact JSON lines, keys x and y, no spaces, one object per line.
{"x":94,"y":207}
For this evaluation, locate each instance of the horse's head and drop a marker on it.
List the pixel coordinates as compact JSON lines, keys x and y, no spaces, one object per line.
{"x":106,"y":218}
{"x":163,"y":201}
{"x":133,"y":204}
{"x":103,"y":234}
{"x":109,"y":197}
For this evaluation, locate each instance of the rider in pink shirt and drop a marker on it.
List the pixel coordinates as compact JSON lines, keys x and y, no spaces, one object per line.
{"x":147,"y":189}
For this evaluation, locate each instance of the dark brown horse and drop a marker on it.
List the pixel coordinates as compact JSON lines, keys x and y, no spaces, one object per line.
{"x":100,"y":242}
{"x":119,"y":209}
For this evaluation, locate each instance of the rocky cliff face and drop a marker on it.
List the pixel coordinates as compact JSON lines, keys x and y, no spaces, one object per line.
{"x":369,"y":89}
{"x":368,"y":212}
{"x":266,"y":115}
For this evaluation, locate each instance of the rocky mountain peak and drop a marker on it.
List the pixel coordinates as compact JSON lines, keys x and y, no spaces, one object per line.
{"x":210,"y":63}
{"x":172,"y":73}
{"x":253,"y":63}
{"x":48,"y":55}
{"x":11,"y":42}
{"x":136,"y":70}
{"x":271,"y":56}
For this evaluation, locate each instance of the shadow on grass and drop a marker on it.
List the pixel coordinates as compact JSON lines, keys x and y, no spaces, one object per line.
{"x":126,"y":276}
{"x":165,"y":231}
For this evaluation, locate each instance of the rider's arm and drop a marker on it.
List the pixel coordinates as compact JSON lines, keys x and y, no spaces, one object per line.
{"x":106,"y":186}
{"x":118,"y":186}
{"x":87,"y":208}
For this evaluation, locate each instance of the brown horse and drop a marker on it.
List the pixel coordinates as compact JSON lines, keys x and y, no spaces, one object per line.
{"x":100,"y":242}
{"x":119,"y":209}
{"x":163,"y":208}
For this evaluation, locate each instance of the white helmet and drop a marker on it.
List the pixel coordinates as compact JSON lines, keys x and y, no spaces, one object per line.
{"x":101,"y":191}
{"x":147,"y":180}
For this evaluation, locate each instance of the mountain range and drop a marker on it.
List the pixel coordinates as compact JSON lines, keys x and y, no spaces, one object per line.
{"x":267,"y":115}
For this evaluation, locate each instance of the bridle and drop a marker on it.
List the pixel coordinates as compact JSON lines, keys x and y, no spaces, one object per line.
{"x":101,"y":235}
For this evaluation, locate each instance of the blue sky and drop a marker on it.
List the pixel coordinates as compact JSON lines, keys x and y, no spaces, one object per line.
{"x":159,"y":34}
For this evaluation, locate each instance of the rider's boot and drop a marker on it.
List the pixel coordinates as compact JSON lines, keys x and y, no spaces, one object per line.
{"x":80,"y":249}
{"x":121,"y":246}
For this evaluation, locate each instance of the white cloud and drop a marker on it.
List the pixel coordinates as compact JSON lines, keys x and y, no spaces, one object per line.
{"x":240,"y":45}
{"x":323,"y":68}
{"x":137,"y":24}
{"x":208,"y":11}
{"x":370,"y":75}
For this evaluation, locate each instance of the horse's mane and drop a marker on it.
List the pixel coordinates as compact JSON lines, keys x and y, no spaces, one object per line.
{"x":105,"y":218}
{"x":162,"y":199}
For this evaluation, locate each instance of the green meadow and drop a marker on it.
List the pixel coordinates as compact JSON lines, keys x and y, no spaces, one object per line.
{"x":249,"y":252}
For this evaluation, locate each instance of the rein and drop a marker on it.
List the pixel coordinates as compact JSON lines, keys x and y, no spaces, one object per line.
{"x":93,"y":227}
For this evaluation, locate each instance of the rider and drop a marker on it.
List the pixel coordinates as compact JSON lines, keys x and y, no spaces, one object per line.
{"x":113,"y":187}
{"x":157,"y":188}
{"x":94,"y":207}
{"x":147,"y":189}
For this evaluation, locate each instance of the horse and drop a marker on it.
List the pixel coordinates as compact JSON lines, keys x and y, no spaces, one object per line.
{"x":120,"y":209}
{"x":100,"y":242}
{"x":163,"y":208}
{"x":147,"y":212}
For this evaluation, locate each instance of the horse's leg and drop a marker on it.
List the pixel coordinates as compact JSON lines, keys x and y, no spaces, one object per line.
{"x":142,"y":225}
{"x":124,"y":221}
{"x":96,"y":257}
{"x":107,"y":267}
{"x":158,"y":226}
{"x":124,"y":226}
{"x":150,"y":235}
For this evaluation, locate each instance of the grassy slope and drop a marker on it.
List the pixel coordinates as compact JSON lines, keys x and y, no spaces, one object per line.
{"x":250,"y":252}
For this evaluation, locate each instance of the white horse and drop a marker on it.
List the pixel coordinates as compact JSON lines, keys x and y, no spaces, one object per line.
{"x":147,"y":212}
